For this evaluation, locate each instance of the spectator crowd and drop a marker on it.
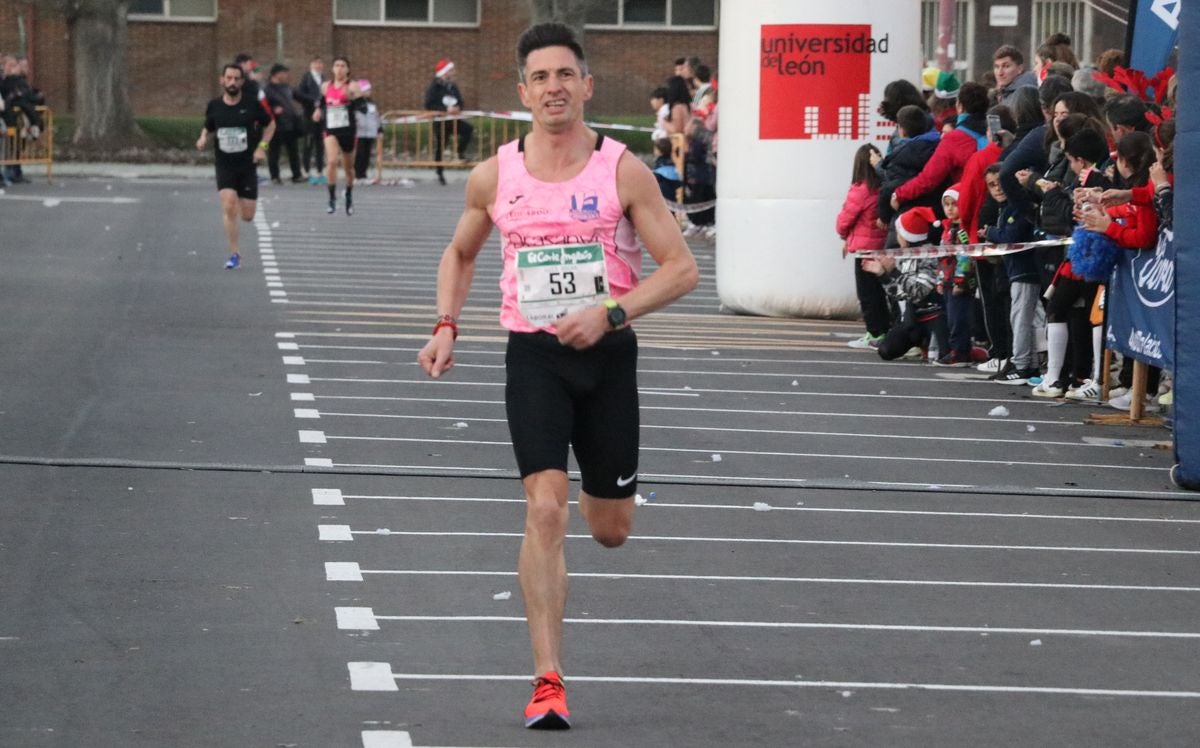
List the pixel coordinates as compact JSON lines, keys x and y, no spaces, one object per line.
{"x":19,"y":101}
{"x":1032,"y":153}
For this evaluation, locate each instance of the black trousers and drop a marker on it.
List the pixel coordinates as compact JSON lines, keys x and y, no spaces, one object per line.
{"x":873,"y":300}
{"x":997,"y":301}
{"x":444,"y":132}
{"x":362,"y":157}
{"x":912,"y":332}
{"x":314,"y":149}
{"x":280,"y":141}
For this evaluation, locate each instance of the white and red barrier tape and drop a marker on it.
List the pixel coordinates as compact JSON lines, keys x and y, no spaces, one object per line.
{"x":970,"y":250}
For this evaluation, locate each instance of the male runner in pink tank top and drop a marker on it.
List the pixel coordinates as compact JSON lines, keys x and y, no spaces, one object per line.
{"x":567,"y":202}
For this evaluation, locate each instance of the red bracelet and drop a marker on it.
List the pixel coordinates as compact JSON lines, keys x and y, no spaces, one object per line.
{"x":446,"y":321}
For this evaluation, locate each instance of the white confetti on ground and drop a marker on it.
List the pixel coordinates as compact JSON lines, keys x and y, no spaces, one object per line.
{"x":998,"y":412}
{"x":383,"y":531}
{"x":762,"y":506}
{"x":846,"y":694}
{"x":883,"y":392}
{"x":502,"y":595}
{"x":638,"y":499}
{"x":716,"y":458}
{"x":1031,"y":428}
{"x":461,"y":425}
{"x":1035,"y":643}
{"x":52,"y":202}
{"x":795,"y":382}
{"x":275,"y":225}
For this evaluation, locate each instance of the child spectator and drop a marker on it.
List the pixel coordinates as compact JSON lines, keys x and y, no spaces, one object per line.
{"x":857,"y":225}
{"x":665,"y":170}
{"x":662,"y":114}
{"x":959,"y":277}
{"x":1013,"y":226}
{"x":916,"y":140}
{"x":917,"y":282}
{"x":1070,"y":295}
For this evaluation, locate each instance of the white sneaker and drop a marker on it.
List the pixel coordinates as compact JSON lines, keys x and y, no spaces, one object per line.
{"x":1089,"y":390}
{"x":1047,"y":389}
{"x":866,"y":341}
{"x":1115,"y":392}
{"x":710,"y":232}
{"x":992,"y":365}
{"x":1125,"y":402}
{"x":692,"y":230}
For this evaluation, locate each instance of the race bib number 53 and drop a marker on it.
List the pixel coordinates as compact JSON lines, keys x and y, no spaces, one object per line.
{"x":553,"y":281}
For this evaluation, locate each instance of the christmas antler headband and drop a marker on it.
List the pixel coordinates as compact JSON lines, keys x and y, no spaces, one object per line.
{"x":1129,"y":80}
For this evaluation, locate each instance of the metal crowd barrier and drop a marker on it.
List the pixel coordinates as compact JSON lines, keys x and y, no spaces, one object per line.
{"x":409,"y":137}
{"x":20,"y":149}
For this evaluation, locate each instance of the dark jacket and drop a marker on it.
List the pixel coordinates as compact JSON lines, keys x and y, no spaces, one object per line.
{"x":281,"y":96}
{"x":901,"y":165}
{"x":19,"y":96}
{"x":1028,"y":153}
{"x":439,"y":92}
{"x":308,"y":93}
{"x":916,"y":281}
{"x":1011,"y":227}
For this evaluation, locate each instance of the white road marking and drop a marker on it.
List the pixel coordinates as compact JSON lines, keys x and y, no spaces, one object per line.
{"x":814,"y":509}
{"x":1019,"y":631}
{"x":293,"y":360}
{"x":802,"y":580}
{"x":833,"y":685}
{"x":335,"y":533}
{"x":309,"y":413}
{"x":61,"y":199}
{"x":797,"y":541}
{"x":328,"y":497}
{"x":312,"y":437}
{"x":358,"y":619}
{"x":340,"y":571}
{"x":318,"y":462}
{"x":298,"y":379}
{"x":279,"y":295}
{"x":286,"y":335}
{"x":303,"y":397}
{"x":763,"y":453}
{"x":386,"y":739}
{"x":371,"y":676}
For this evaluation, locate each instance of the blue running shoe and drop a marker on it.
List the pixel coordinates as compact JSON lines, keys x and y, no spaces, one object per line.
{"x":234,"y":261}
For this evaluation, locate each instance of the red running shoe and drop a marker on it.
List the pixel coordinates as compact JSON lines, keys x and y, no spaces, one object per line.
{"x":547,"y":710}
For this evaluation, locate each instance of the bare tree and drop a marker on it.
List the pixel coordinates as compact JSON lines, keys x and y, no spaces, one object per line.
{"x":573,"y":13}
{"x":99,"y":39}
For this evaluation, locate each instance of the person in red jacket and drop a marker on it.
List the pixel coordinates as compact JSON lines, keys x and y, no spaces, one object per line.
{"x":856,"y":225}
{"x":954,"y":149}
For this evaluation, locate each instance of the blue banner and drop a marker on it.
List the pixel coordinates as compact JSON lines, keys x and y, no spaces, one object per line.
{"x":1140,"y":302}
{"x":1153,"y":31}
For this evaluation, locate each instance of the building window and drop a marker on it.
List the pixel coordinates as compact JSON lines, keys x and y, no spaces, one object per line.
{"x":964,"y":35}
{"x":656,"y":14}
{"x":407,"y":12}
{"x":173,"y":10}
{"x":1071,"y":17}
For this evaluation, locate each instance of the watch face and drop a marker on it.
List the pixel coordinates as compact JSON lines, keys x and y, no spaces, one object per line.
{"x":616,"y":316}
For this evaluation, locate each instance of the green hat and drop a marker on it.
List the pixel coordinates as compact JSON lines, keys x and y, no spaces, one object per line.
{"x":947,"y":86}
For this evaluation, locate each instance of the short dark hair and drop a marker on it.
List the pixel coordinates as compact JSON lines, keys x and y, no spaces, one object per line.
{"x":973,"y":98}
{"x":242,"y":57}
{"x":680,"y":60}
{"x":1088,"y":145}
{"x":897,"y":94}
{"x":1128,"y":110}
{"x":278,"y":67}
{"x":659,"y":93}
{"x":1051,"y":88}
{"x":1010,"y":52}
{"x":1007,"y":120}
{"x":703,"y":73}
{"x":1026,"y":107}
{"x":913,"y":119}
{"x":548,"y":35}
{"x":993,"y":168}
{"x":233,"y":66}
{"x":1137,"y":148}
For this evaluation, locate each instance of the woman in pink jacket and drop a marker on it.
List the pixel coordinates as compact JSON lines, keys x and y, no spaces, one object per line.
{"x":857,"y":225}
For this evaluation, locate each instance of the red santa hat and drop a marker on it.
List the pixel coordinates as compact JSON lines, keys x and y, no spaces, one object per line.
{"x":951,"y":192}
{"x":443,"y":67}
{"x":915,"y":224}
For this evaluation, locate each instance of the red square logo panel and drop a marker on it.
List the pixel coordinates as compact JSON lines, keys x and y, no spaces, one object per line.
{"x":815,"y":82}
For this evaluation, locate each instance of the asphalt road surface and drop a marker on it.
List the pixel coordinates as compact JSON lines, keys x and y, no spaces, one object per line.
{"x":233,"y":512}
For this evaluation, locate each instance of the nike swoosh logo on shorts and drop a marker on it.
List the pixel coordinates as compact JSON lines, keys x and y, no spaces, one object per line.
{"x":622,"y":482}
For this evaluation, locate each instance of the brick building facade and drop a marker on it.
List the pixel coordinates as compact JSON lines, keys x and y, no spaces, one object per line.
{"x":174,"y":65}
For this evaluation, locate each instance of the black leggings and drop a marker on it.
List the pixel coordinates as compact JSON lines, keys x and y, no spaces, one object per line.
{"x":873,"y":300}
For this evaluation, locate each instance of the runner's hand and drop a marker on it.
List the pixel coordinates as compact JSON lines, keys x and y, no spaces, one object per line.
{"x":583,"y":328}
{"x":437,"y":357}
{"x":259,"y":155}
{"x":202,"y":141}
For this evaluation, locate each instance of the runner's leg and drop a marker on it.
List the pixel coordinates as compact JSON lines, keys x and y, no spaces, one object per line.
{"x":249,"y":207}
{"x":331,"y":161}
{"x":542,"y":568}
{"x":229,"y":216}
{"x":610,"y":520}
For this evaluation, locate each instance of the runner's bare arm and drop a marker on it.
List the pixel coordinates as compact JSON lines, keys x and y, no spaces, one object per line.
{"x":457,"y":267}
{"x":676,"y":275}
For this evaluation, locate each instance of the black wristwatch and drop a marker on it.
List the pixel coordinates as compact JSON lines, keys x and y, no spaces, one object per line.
{"x":616,"y":314}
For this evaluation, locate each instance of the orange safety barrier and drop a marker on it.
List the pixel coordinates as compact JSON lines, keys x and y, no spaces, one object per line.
{"x":20,"y":149}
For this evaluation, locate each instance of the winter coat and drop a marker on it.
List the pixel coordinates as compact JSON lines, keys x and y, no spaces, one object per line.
{"x":903,"y":163}
{"x":1030,"y":153}
{"x":1012,"y":227}
{"x":972,"y":188}
{"x":856,"y":221}
{"x":916,"y":281}
{"x":946,"y":165}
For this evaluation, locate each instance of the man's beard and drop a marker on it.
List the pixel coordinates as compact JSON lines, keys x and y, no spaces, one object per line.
{"x":233,"y":90}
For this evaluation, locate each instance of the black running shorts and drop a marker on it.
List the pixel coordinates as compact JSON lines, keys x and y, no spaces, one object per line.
{"x":557,"y":397}
{"x":241,"y":179}
{"x":346,"y":139}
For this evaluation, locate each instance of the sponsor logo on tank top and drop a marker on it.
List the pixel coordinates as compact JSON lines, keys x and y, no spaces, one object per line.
{"x":519,"y":241}
{"x":585,"y":207}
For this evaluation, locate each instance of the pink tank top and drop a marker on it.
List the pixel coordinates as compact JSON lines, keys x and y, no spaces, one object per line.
{"x":335,"y":96}
{"x":585,"y":210}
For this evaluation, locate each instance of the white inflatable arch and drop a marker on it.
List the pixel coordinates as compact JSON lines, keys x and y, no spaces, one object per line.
{"x":799,"y":85}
